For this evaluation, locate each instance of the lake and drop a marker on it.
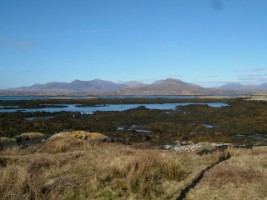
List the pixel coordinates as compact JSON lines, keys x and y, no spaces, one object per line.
{"x":109,"y":107}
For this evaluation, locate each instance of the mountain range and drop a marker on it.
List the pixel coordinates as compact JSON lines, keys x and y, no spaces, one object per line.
{"x":239,"y":86}
{"x":161,"y":87}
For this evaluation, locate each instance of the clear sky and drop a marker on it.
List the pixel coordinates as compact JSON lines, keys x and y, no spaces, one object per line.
{"x":207,"y":42}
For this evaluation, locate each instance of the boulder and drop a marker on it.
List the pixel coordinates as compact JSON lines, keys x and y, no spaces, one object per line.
{"x":29,"y":138}
{"x":84,"y":135}
{"x":187,"y":148}
{"x":167,"y":147}
{"x":99,"y":137}
{"x":23,"y":140}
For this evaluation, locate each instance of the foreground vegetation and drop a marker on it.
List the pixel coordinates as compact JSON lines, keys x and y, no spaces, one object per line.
{"x":65,"y":168}
{"x":241,"y":177}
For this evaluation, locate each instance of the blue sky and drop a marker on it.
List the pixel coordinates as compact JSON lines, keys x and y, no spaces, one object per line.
{"x":207,"y":42}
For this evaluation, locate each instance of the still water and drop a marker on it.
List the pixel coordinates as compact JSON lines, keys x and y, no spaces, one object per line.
{"x":109,"y":107}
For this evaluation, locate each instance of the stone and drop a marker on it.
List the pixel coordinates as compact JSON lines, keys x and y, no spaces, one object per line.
{"x":193,"y":147}
{"x":99,"y":137}
{"x":167,"y":147}
{"x":84,"y":135}
{"x":30,"y":138}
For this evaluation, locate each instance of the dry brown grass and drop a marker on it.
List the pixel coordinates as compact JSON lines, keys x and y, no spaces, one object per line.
{"x":142,"y":175}
{"x":16,"y":183}
{"x":242,"y":177}
{"x":61,"y":145}
{"x":77,"y":169}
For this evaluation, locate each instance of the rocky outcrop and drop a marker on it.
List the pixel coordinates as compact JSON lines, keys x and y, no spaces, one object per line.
{"x":23,"y":140}
{"x":189,"y":146}
{"x":32,"y":138}
{"x":90,"y":136}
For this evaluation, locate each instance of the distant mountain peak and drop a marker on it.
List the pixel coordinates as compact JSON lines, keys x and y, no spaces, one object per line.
{"x":236,"y":86}
{"x":232,"y":85}
{"x":97,"y":86}
{"x":175,"y":84}
{"x":167,"y":86}
{"x":76,"y":81}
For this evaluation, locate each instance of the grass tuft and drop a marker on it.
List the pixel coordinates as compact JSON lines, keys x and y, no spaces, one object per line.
{"x":77,"y":169}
